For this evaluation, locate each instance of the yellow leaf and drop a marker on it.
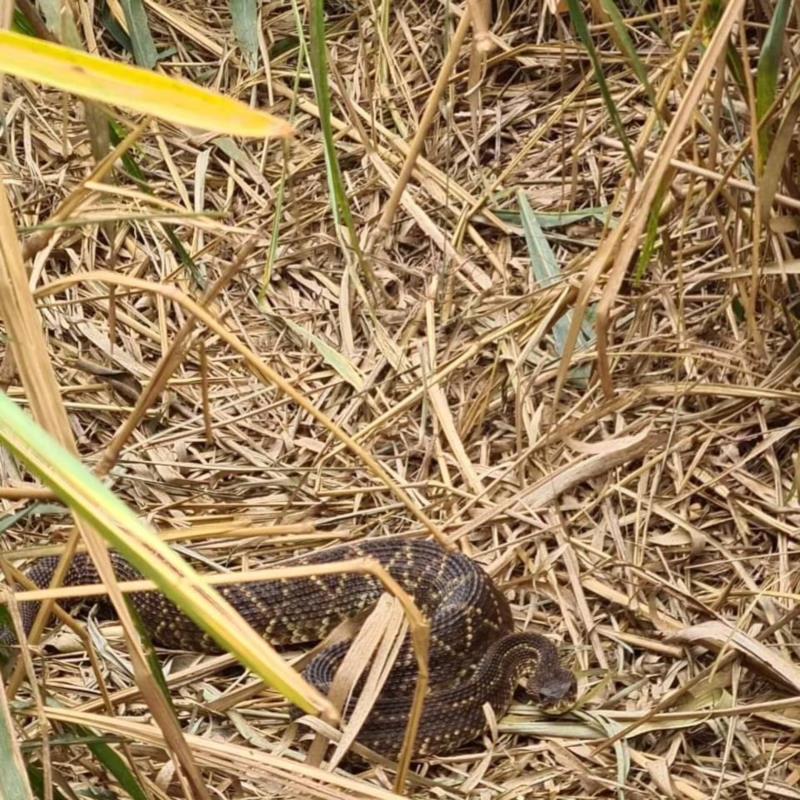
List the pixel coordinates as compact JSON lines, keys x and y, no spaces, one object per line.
{"x":176,"y":101}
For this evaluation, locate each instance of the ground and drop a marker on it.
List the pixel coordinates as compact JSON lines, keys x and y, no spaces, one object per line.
{"x":635,"y":496}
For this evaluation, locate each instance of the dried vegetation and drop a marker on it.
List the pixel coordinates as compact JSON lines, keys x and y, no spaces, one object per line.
{"x":651,"y":528}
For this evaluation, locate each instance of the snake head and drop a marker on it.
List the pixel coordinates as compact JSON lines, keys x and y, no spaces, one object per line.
{"x":554,"y":690}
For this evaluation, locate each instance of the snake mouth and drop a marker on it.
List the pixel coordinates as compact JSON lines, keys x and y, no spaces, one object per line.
{"x":558,"y":707}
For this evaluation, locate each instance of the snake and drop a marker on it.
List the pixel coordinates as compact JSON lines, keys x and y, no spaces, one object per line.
{"x":475,"y":655}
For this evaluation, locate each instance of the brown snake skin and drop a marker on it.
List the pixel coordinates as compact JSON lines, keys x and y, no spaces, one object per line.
{"x":475,"y":656}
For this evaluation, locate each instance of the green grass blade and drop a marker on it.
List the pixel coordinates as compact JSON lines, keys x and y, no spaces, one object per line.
{"x":626,"y":45}
{"x":547,"y":220}
{"x":769,"y":63}
{"x":20,"y":24}
{"x":343,"y":366}
{"x":13,"y":777}
{"x":318,"y":57}
{"x":733,"y":59}
{"x":36,"y":777}
{"x":547,"y":272}
{"x":543,"y":261}
{"x":244,"y":14}
{"x":272,"y":253}
{"x":582,"y":29}
{"x":77,"y":736}
{"x":153,"y":663}
{"x":144,"y":48}
{"x":116,"y":765}
{"x":778,"y":153}
{"x":115,"y":30}
{"x":61,"y":24}
{"x":117,"y":133}
{"x":651,"y":236}
{"x":340,"y":205}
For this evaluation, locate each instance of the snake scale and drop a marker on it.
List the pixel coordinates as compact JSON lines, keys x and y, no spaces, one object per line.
{"x":475,"y":655}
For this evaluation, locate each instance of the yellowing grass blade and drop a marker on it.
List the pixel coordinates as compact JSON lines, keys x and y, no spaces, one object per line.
{"x":138,"y":89}
{"x":83,"y":492}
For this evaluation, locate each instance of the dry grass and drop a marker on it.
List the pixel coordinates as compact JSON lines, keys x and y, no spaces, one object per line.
{"x":652,"y":530}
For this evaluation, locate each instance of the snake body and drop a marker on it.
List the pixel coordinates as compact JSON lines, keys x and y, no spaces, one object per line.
{"x":475,"y":655}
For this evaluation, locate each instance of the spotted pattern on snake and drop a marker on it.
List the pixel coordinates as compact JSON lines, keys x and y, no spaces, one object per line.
{"x":475,"y":655}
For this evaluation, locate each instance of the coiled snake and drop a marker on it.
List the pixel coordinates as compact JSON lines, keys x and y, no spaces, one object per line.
{"x":475,"y":655}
